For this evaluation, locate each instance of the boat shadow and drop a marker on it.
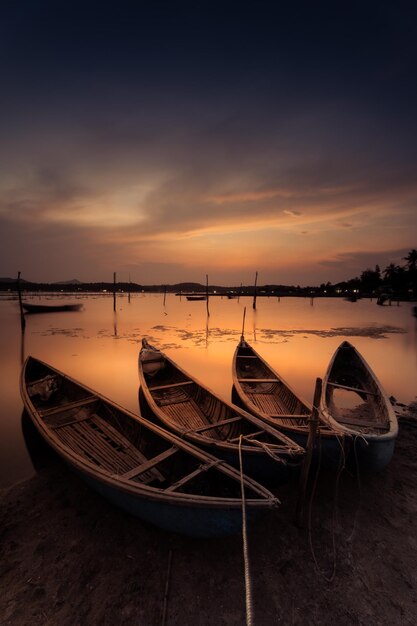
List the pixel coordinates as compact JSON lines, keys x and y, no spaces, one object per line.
{"x":41,"y":455}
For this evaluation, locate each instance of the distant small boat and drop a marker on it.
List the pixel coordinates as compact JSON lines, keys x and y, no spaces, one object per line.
{"x":260,"y":390}
{"x":50,"y":308}
{"x":137,"y":465}
{"x":354,"y":401}
{"x":195,"y":298}
{"x":195,"y":413}
{"x":231,"y":296}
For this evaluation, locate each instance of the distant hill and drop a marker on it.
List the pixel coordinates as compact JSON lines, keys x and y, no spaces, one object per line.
{"x":74,"y":281}
{"x":12,"y":280}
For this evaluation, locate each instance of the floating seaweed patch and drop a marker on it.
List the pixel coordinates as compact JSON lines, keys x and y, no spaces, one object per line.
{"x":67,"y":332}
{"x":373,"y":332}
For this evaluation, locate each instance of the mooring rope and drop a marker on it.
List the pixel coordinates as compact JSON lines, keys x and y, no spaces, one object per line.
{"x":264,"y":447}
{"x":248,"y":581}
{"x":342,"y":464}
{"x":358,"y":478}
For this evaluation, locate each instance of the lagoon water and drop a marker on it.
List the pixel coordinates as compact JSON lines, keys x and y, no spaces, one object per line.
{"x":99,"y":347}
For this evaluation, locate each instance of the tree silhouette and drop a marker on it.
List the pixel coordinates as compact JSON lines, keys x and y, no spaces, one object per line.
{"x":411,"y":259}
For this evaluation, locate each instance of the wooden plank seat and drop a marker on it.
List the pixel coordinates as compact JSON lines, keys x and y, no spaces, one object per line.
{"x":189,"y":477}
{"x":250,"y":436}
{"x":354,"y":421}
{"x":356,"y":389}
{"x":148,"y":464}
{"x":184,"y":382}
{"x":68,"y":405}
{"x":258,"y":380}
{"x":42,"y":380}
{"x":214,"y":425}
{"x":246,"y":356}
{"x":291,"y":416}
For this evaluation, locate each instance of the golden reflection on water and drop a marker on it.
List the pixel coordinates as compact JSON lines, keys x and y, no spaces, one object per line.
{"x":100,"y":347}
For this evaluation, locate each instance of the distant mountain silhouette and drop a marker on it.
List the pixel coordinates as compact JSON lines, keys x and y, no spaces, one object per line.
{"x":12,"y":280}
{"x":74,"y":281}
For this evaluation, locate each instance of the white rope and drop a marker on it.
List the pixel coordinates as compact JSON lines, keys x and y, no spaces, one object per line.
{"x":248,"y":582}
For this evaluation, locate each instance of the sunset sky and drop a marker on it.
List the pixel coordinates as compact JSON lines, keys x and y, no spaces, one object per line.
{"x":168,"y":140}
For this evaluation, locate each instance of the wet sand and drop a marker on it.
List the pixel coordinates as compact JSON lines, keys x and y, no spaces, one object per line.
{"x":69,"y":558}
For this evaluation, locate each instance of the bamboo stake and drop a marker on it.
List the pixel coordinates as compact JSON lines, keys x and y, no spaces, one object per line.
{"x":207,"y":297}
{"x":114,"y":291}
{"x":254,"y":291}
{"x":243,"y":324}
{"x":22,"y":315}
{"x":314,"y":420}
{"x":165,"y":293}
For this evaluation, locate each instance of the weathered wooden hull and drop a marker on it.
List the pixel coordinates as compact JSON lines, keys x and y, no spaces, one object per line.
{"x":369,"y":455}
{"x":190,"y":521}
{"x":255,"y":463}
{"x":138,"y":466}
{"x":262,"y":398}
{"x":371,"y":425}
{"x":171,"y":396}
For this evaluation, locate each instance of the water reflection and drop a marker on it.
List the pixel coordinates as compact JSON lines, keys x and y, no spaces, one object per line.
{"x":22,"y":346}
{"x":207,"y":331}
{"x":115,"y":323}
{"x":294,"y":338}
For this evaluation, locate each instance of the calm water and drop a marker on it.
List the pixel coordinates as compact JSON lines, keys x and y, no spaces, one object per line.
{"x":100,"y":347}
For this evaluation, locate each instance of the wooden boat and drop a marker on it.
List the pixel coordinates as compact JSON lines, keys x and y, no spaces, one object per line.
{"x":135,"y":464}
{"x":50,"y":308}
{"x":354,"y":401}
{"x":196,"y":298}
{"x":260,"y":390}
{"x":191,"y":410}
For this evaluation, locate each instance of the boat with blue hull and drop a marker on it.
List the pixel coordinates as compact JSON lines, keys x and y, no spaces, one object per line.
{"x":354,"y":401}
{"x":260,"y":390}
{"x":137,"y":465}
{"x":171,"y":396}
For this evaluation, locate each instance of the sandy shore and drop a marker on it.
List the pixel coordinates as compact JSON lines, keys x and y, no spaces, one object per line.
{"x":67,"y":557}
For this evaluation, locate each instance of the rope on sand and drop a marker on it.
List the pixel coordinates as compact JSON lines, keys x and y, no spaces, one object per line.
{"x":165,"y":603}
{"x":248,"y":581}
{"x":342,"y":464}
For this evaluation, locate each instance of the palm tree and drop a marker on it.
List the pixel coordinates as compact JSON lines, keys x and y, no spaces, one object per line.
{"x":390,"y":271}
{"x":411,"y":259}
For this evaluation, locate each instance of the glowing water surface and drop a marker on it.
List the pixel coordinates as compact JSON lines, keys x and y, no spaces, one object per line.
{"x":99,"y":347}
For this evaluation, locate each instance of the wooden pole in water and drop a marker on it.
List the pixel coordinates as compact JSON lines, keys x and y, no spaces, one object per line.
{"x":243,"y":324}
{"x":240,"y":291}
{"x":165,"y":293}
{"x":114,"y":291}
{"x":22,"y":315}
{"x":314,"y":421}
{"x":254,"y":291}
{"x":207,"y":296}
